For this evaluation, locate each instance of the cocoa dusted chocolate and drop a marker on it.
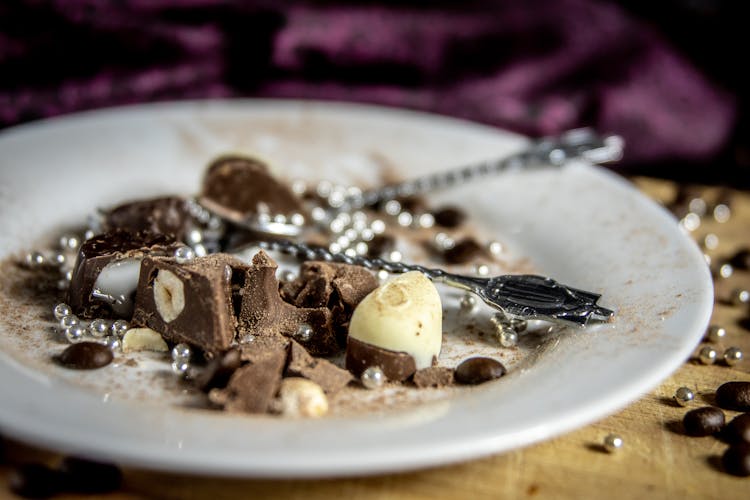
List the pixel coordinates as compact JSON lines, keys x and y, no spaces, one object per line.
{"x":191,"y":302}
{"x":168,"y":215}
{"x":434,"y":376}
{"x":233,"y":186}
{"x":321,"y":371}
{"x":105,"y":275}
{"x":397,"y":366}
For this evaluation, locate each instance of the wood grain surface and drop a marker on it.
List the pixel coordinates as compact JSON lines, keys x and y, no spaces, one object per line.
{"x":657,"y":460}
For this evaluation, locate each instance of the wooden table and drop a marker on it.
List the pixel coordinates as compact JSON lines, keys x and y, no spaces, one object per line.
{"x":657,"y":460}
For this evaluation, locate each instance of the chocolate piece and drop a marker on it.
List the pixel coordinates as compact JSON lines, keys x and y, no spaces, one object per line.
{"x":339,"y":287}
{"x":218,"y":371}
{"x":736,"y":460}
{"x":703,"y":421}
{"x":233,"y":186}
{"x":86,"y":476}
{"x":36,"y":481}
{"x":321,"y":371}
{"x":397,"y":366}
{"x":252,"y":387}
{"x":379,"y":245}
{"x":434,"y":376}
{"x":734,"y":396}
{"x":738,"y":430}
{"x":478,"y":370}
{"x":449,"y":217}
{"x":86,"y":356}
{"x":190,"y":302}
{"x":463,"y":251}
{"x":118,"y":254}
{"x":265,"y":314}
{"x":741,"y":259}
{"x":168,"y":215}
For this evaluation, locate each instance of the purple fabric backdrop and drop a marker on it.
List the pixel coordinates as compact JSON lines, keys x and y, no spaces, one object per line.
{"x":538,"y":67}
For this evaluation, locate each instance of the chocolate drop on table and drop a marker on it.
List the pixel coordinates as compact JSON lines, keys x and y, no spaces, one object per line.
{"x":734,"y":396}
{"x":738,"y":430}
{"x":703,"y":421}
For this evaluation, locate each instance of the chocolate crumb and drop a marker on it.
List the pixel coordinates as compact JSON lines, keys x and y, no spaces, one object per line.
{"x":434,"y":376}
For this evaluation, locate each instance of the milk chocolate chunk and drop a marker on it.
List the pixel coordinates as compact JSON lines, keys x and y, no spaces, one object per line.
{"x":252,"y":387}
{"x":434,"y":376}
{"x":110,"y":263}
{"x":321,"y":371}
{"x":265,"y":314}
{"x":190,"y":302}
{"x":167,"y":215}
{"x":233,"y":186}
{"x":397,"y":366}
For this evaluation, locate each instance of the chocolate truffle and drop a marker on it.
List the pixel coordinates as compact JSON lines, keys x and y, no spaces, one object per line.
{"x":190,"y":302}
{"x":110,"y":264}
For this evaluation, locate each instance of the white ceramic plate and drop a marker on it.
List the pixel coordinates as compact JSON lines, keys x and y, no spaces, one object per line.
{"x":580,"y":224}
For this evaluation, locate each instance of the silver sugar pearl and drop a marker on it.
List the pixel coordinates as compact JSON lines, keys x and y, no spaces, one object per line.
{"x":180,"y":367}
{"x":75,"y":333}
{"x":726,"y":270}
{"x":711,"y":241}
{"x":698,"y":206}
{"x":70,"y":241}
{"x":200,"y":250}
{"x":351,"y":233}
{"x":691,"y":222}
{"x":740,"y":296}
{"x":184,"y":254}
{"x":500,"y":320}
{"x":334,"y":248}
{"x":395,"y":256}
{"x":337,"y":225}
{"x":304,"y":332}
{"x":318,"y":214}
{"x":34,"y":259}
{"x":98,"y":328}
{"x":350,"y":252}
{"x":715,"y":333}
{"x":263,"y":218}
{"x":707,"y":355}
{"x":247,"y":338}
{"x":426,"y":221}
{"x":507,"y":337}
{"x":373,"y":377}
{"x":62,"y":309}
{"x":119,"y":327}
{"x":88,"y":234}
{"x":182,"y":352}
{"x":279,"y":219}
{"x":68,"y":276}
{"x":732,"y":356}
{"x":343,"y":241}
{"x":722,"y":213}
{"x":377,"y":226}
{"x":613,"y":443}
{"x":324,"y":189}
{"x":482,"y":270}
{"x":194,"y":236}
{"x":337,"y":198}
{"x":707,"y":258}
{"x":287,"y":275}
{"x":63,"y":284}
{"x":382,"y":275}
{"x":392,"y":207}
{"x":58,"y":259}
{"x":495,"y":247}
{"x":367,"y":234}
{"x":405,"y":219}
{"x":69,"y":320}
{"x":299,"y":187}
{"x":361,"y":248}
{"x":297,"y":219}
{"x":468,"y":303}
{"x":683,"y":396}
{"x":112,"y":342}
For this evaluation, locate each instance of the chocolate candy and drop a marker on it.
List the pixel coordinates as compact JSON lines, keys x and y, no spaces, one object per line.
{"x":734,"y":396}
{"x":86,"y":476}
{"x":703,"y":421}
{"x":397,"y":366}
{"x":478,"y":370}
{"x":110,"y":263}
{"x":463,"y":251}
{"x":86,"y":356}
{"x":738,"y":430}
{"x":449,"y":217}
{"x":36,"y":481}
{"x":167,"y":215}
{"x":190,"y":302}
{"x":328,"y":376}
{"x":736,"y":460}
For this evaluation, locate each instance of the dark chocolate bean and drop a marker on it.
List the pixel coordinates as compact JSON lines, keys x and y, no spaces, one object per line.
{"x":703,"y":421}
{"x":478,"y":370}
{"x":379,"y":245}
{"x":36,"y":481}
{"x":741,"y":259}
{"x":738,"y":430}
{"x":734,"y":396}
{"x":85,"y":476}
{"x":219,"y":370}
{"x":86,"y":356}
{"x":449,"y":216}
{"x":736,"y":460}
{"x":463,"y":251}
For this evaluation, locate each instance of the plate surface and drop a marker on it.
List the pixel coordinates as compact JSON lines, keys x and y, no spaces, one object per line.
{"x":580,"y":224}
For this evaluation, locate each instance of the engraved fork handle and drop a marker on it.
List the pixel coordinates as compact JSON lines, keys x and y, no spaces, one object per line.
{"x":528,"y":296}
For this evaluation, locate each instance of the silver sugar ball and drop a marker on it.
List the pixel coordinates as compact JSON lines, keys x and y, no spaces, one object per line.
{"x":361,"y":248}
{"x":119,"y":327}
{"x":722,"y":213}
{"x":373,"y":377}
{"x":495,"y":247}
{"x":392,"y":207}
{"x":112,"y":342}
{"x":337,"y":226}
{"x":75,"y":333}
{"x":34,"y":259}
{"x":63,"y":284}
{"x":707,"y":355}
{"x":200,"y":250}
{"x":613,"y":443}
{"x":68,"y":276}
{"x":299,"y":187}
{"x":180,"y":367}
{"x":334,"y":248}
{"x":324,"y":189}
{"x":304,"y":332}
{"x":88,"y":234}
{"x":395,"y":256}
{"x":405,"y":219}
{"x":707,"y":258}
{"x":377,"y":226}
{"x":194,"y":236}
{"x":69,"y":320}
{"x":70,"y":241}
{"x":382,"y":275}
{"x":337,"y":198}
{"x":351,"y":233}
{"x":98,"y":328}
{"x":715,"y":333}
{"x":350,"y":252}
{"x":279,"y":218}
{"x":698,"y":206}
{"x":182,"y":352}
{"x":62,"y":309}
{"x":287,"y":276}
{"x":318,"y":214}
{"x":426,"y":221}
{"x":683,"y":396}
{"x":691,"y":222}
{"x":711,"y":241}
{"x":247,"y":338}
{"x":499,"y":319}
{"x":732,"y":356}
{"x":726,"y":270}
{"x":297,"y":219}
{"x":184,"y":254}
{"x":740,"y":296}
{"x":482,"y":270}
{"x":507,"y":337}
{"x":468,"y":303}
{"x":58,"y":259}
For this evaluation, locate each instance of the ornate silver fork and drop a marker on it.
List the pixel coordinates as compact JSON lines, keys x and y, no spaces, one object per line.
{"x":523,"y":295}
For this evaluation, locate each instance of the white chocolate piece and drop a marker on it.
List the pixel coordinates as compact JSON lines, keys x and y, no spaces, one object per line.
{"x":119,"y":279}
{"x":169,"y":295}
{"x":299,"y":397}
{"x":143,"y":339}
{"x":404,"y":315}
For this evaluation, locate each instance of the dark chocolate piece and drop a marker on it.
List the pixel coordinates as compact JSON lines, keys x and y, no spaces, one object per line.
{"x":265,"y":314}
{"x":218,"y":371}
{"x":87,"y":476}
{"x":734,"y":396}
{"x":253,"y":386}
{"x":463,"y":251}
{"x":703,"y":421}
{"x":478,"y":370}
{"x":321,"y":371}
{"x":379,"y":245}
{"x":234,"y":185}
{"x":86,"y":356}
{"x":397,"y":366}
{"x":168,"y":215}
{"x":449,"y":217}
{"x":102,"y":250}
{"x":736,"y":460}
{"x":207,"y":319}
{"x":738,"y":430}
{"x":434,"y":376}
{"x":36,"y":481}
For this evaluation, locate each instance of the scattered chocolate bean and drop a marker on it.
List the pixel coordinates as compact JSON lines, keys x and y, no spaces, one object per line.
{"x":736,"y":460}
{"x":703,"y":421}
{"x":379,"y":245}
{"x":734,"y":396}
{"x":463,"y":251}
{"x":738,"y":430}
{"x":86,"y":476}
{"x":478,"y":370}
{"x":86,"y":356}
{"x":449,"y":216}
{"x":741,"y":259}
{"x":219,"y":370}
{"x":36,"y":481}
